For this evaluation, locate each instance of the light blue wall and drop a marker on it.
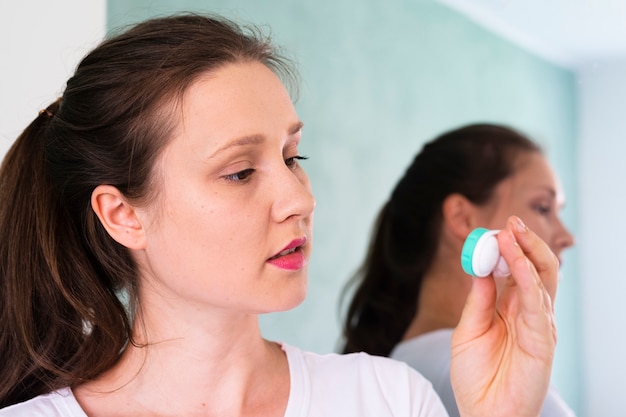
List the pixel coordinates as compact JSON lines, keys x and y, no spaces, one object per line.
{"x":379,"y":79}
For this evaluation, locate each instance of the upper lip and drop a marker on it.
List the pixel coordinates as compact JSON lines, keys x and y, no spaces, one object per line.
{"x":294,"y":244}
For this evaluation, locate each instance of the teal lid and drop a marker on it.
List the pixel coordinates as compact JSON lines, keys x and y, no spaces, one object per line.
{"x":468,"y":249}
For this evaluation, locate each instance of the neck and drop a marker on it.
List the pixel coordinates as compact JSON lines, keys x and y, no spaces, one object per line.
{"x":442,"y":295}
{"x":193,"y":364}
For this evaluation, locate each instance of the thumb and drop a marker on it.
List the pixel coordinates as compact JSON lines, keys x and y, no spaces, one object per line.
{"x":477,"y":316}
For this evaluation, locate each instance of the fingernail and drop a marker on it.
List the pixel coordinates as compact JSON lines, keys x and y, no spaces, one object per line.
{"x":519,"y":225}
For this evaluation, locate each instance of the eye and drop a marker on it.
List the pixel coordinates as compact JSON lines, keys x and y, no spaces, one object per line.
{"x":240,"y":176}
{"x":543,"y":209}
{"x":292,"y":162}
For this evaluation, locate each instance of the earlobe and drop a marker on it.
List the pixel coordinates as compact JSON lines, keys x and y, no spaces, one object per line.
{"x":458,"y":215}
{"x":118,"y":216}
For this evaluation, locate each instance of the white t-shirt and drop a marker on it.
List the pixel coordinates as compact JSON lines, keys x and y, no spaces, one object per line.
{"x":430,"y":355}
{"x":356,"y":385}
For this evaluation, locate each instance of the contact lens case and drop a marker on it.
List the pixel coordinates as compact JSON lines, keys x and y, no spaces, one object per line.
{"x":480,"y":255}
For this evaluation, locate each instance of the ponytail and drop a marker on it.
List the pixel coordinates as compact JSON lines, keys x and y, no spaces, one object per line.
{"x":47,"y":303}
{"x":385,"y":302}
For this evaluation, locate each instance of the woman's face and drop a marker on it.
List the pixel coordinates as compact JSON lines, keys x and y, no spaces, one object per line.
{"x":231,"y":226}
{"x":533,"y":194}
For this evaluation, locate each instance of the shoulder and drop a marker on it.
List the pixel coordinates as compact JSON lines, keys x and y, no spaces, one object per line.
{"x":438,"y":339}
{"x":428,"y":353}
{"x":554,"y":405}
{"x":362,"y":362}
{"x":61,"y":403}
{"x":359,"y":381}
{"x":351,"y":365}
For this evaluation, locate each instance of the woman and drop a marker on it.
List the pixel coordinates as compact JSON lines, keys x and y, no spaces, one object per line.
{"x":411,"y":288}
{"x":158,"y":207}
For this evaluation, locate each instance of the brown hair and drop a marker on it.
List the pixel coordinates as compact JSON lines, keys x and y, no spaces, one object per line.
{"x":471,"y":161}
{"x":61,"y":275}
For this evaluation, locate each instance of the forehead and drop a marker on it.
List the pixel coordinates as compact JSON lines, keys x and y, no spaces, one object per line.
{"x":533,"y":174}
{"x":532,"y":166}
{"x":236,"y":98}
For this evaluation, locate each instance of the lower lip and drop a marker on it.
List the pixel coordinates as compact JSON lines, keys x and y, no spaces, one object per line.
{"x":291,"y":262}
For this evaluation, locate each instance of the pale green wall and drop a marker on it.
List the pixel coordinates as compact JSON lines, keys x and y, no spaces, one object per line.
{"x":379,"y":79}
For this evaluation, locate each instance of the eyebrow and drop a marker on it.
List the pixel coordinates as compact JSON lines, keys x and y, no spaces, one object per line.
{"x":558,"y":197}
{"x":548,"y":189}
{"x":255,"y":139}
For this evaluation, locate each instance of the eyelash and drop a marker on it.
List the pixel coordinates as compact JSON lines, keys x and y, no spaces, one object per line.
{"x":243,"y":176}
{"x":542,"y":209}
{"x":291,"y":162}
{"x":240,"y":176}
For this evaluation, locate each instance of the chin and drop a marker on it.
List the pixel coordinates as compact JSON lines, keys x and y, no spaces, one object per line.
{"x":291,"y":298}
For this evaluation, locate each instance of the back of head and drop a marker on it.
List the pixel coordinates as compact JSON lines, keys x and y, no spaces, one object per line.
{"x":60,"y":272}
{"x":470,"y":161}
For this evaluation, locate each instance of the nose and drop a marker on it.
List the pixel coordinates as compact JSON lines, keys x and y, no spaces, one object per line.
{"x":293,"y":196}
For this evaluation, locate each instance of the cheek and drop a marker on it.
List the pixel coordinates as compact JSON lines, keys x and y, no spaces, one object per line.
{"x":197,"y":219}
{"x":529,"y":216}
{"x":304,"y":178}
{"x":226,"y":234}
{"x":497,"y":219}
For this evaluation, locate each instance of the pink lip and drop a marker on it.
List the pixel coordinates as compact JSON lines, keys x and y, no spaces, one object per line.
{"x":293,"y":260}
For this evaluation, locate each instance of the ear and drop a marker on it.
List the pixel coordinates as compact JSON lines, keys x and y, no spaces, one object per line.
{"x":459,"y":215}
{"x":118,"y":217}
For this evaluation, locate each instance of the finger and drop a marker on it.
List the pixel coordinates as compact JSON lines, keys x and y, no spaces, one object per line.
{"x":539,"y":253}
{"x":477,"y":315}
{"x":532,"y":294}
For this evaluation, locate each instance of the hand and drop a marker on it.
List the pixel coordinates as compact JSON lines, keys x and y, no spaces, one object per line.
{"x":503,"y":346}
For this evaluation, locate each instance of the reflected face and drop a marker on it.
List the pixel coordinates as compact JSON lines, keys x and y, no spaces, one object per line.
{"x":231,"y":227}
{"x":534,"y":194}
